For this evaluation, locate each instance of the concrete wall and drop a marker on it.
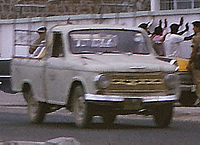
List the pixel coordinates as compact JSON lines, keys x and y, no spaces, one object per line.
{"x":7,"y":27}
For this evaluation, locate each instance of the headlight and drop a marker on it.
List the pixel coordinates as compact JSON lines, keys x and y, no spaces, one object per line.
{"x":102,"y":81}
{"x":172,"y":81}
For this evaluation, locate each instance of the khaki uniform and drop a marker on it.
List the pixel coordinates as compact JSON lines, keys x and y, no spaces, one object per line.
{"x":195,"y":72}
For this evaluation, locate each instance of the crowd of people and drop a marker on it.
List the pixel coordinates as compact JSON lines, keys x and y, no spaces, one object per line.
{"x":168,"y":44}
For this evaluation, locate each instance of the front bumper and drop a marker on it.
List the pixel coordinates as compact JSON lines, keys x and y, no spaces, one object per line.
{"x":146,"y":99}
{"x":190,"y":88}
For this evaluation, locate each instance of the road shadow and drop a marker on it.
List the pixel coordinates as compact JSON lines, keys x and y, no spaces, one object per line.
{"x":67,"y":122}
{"x":97,"y":123}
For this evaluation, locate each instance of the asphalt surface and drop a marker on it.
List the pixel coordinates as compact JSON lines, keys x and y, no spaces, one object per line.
{"x":15,"y":103}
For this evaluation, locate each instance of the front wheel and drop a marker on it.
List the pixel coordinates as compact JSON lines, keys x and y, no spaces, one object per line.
{"x":162,"y":115}
{"x":36,"y":109}
{"x":187,"y":98}
{"x":81,"y":110}
{"x":109,"y":119}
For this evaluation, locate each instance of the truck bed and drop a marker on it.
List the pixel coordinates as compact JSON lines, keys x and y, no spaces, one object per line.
{"x":5,"y":75}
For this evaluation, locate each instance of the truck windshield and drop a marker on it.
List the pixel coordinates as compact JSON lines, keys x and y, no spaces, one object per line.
{"x":108,"y":41}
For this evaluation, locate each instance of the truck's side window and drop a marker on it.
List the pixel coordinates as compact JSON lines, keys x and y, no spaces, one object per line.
{"x":57,"y":45}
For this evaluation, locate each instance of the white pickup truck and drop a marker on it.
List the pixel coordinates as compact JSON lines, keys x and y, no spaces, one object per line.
{"x":97,"y":70}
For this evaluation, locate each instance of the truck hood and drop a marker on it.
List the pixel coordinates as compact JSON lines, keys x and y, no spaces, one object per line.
{"x":123,"y":63}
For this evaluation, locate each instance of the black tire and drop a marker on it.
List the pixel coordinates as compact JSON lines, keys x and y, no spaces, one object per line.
{"x":188,"y":98}
{"x":81,"y":111}
{"x":163,"y":114}
{"x":36,"y":109}
{"x":109,"y":119}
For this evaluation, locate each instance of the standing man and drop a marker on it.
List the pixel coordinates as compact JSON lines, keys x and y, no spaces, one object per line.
{"x":194,"y":62}
{"x":38,"y":46}
{"x":173,"y":41}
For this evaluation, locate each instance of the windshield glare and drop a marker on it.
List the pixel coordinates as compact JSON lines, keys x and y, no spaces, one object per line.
{"x":108,"y":41}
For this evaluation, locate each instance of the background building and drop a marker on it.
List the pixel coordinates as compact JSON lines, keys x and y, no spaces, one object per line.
{"x":179,"y":4}
{"x":28,"y":15}
{"x":12,"y":9}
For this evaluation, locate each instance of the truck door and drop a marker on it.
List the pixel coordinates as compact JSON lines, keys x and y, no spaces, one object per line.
{"x":55,"y":72}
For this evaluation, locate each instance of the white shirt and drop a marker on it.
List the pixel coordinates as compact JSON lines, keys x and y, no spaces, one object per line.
{"x":172,"y":45}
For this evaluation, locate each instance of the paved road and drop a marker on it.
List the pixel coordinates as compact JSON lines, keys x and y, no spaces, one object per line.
{"x":128,"y":130}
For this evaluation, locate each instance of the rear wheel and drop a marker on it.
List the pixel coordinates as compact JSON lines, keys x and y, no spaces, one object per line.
{"x":82,"y":114}
{"x":36,"y":109}
{"x":162,"y":115}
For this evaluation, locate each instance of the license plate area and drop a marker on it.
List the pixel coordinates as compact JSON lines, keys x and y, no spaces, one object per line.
{"x":132,"y":104}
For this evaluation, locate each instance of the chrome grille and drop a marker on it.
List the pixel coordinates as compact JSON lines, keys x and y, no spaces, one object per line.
{"x":136,"y":83}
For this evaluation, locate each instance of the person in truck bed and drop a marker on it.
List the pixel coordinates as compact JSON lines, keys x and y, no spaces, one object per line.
{"x":37,"y":49}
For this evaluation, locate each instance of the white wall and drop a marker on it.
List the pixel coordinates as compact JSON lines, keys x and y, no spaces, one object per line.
{"x":6,"y":40}
{"x":7,"y":27}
